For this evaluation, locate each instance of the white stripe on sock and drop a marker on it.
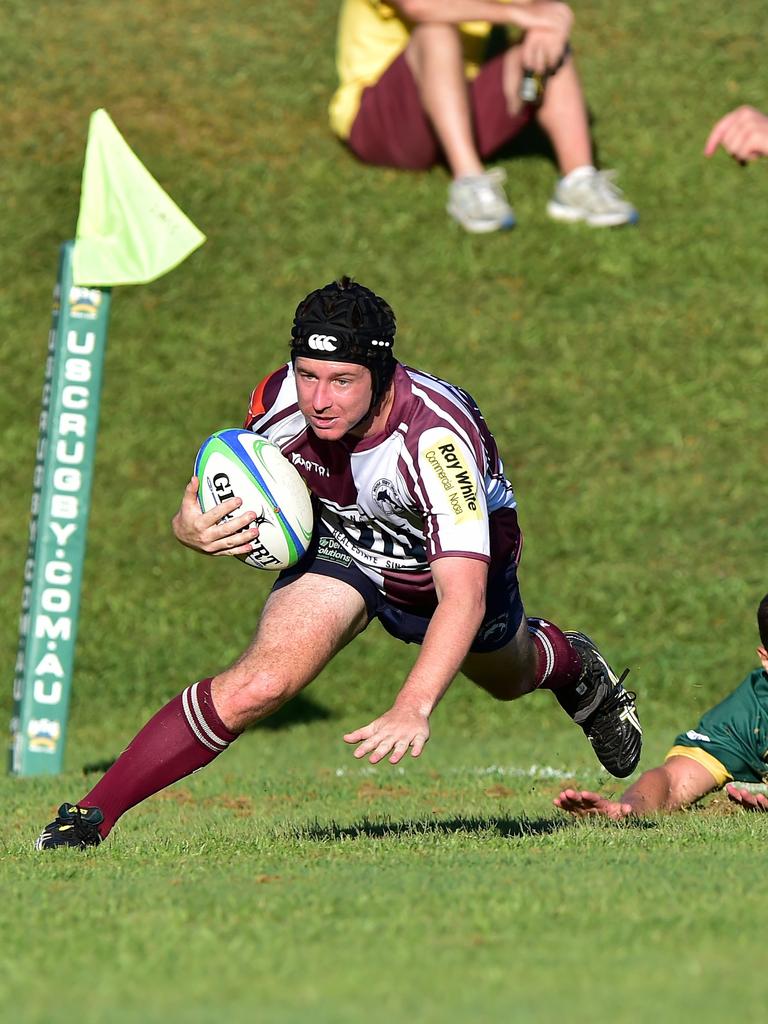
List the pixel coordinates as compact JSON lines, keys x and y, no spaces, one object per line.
{"x":185,"y":700}
{"x":549,"y":651}
{"x":201,"y":718}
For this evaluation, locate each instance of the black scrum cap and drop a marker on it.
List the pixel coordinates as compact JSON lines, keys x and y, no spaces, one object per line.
{"x":347,"y":323}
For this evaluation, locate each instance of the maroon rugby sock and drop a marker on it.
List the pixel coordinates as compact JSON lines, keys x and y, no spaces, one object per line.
{"x":183,"y":736}
{"x":559,"y":663}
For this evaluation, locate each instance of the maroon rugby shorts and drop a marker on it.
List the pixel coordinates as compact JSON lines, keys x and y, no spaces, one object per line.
{"x":503,"y":605}
{"x":392,"y":130}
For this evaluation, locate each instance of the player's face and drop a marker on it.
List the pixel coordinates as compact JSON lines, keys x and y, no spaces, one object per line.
{"x":334,"y":397}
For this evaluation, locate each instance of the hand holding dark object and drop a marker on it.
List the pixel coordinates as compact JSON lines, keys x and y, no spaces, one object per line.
{"x":533,"y":83}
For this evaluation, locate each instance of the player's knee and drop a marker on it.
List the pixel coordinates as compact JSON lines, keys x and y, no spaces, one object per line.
{"x":252,"y":696}
{"x":423,"y":28}
{"x":506,"y":687}
{"x":513,"y":689}
{"x":432,"y":38}
{"x":266,"y":693}
{"x":507,"y":674}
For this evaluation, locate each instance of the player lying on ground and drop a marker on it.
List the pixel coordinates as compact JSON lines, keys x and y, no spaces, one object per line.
{"x":416,"y":525}
{"x":729,"y":744}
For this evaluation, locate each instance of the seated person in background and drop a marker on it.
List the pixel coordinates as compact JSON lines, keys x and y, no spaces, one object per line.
{"x":729,"y":744}
{"x":743,"y":133}
{"x":416,"y":89}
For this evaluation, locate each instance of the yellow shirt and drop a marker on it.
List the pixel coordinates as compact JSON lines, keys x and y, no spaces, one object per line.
{"x":370,"y":35}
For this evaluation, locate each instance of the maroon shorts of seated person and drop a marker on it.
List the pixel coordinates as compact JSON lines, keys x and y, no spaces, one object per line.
{"x":392,"y":130}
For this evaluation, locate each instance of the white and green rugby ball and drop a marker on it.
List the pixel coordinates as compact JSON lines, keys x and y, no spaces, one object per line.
{"x":238,"y":463}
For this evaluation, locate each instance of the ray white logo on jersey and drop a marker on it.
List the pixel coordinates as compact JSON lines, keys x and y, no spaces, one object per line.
{"x":322,"y":342}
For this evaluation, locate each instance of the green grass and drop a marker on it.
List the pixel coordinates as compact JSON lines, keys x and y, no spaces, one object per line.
{"x":623,"y":375}
{"x":275,"y":889}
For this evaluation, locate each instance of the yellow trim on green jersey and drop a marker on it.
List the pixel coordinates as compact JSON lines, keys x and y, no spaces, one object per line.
{"x":716,"y":768}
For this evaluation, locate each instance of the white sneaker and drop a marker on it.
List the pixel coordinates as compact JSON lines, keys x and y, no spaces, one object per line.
{"x":591,"y":196}
{"x":478,"y":202}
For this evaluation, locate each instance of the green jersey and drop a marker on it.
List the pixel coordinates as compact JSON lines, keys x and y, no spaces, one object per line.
{"x":735,"y":731}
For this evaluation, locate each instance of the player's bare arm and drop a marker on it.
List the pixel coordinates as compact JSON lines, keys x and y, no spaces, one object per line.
{"x":212,"y":533}
{"x":547,"y":23}
{"x":677,"y":783}
{"x":550,"y":14}
{"x":460,"y":585}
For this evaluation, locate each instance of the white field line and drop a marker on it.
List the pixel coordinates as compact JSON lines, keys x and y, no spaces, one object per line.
{"x":534,"y":771}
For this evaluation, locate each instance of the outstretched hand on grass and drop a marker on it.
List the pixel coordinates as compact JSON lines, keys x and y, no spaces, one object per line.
{"x":396,"y":730}
{"x":583,"y":804}
{"x":746,"y":799}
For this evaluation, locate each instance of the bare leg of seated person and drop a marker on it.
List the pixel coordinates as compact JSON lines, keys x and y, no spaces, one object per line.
{"x":583,"y":193}
{"x":473,"y":120}
{"x":476,"y":197}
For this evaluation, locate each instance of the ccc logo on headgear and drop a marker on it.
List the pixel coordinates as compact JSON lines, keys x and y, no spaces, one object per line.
{"x":322,"y":342}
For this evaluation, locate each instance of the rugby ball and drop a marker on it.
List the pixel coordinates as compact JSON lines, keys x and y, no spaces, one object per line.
{"x":238,"y":463}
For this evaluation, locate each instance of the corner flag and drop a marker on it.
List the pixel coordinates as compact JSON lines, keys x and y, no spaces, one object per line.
{"x":129,"y":230}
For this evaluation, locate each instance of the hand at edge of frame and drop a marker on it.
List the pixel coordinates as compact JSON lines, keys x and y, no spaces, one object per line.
{"x":745,"y":798}
{"x":743,"y":134}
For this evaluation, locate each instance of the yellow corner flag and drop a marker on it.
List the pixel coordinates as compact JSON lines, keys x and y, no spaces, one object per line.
{"x":129,"y":230}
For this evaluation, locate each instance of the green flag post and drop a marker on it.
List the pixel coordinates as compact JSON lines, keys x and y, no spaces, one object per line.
{"x":129,"y":231}
{"x":58,"y":523}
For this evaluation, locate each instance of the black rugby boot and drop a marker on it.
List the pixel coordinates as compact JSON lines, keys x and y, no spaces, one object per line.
{"x":605,"y":710}
{"x":74,"y":826}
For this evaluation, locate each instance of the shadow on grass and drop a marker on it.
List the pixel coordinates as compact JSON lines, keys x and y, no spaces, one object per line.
{"x":507,"y":828}
{"x":299,"y":711}
{"x":98,"y":767}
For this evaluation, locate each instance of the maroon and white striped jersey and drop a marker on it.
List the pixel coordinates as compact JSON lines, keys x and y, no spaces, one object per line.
{"x":430,"y":484}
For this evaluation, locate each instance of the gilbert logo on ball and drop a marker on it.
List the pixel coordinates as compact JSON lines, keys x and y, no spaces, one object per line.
{"x":238,"y":463}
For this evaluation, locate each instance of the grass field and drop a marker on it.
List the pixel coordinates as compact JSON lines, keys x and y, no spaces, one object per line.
{"x":623,"y":374}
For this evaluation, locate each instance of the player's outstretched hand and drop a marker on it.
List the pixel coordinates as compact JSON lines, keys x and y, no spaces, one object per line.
{"x":746,"y":799}
{"x":582,"y":804}
{"x":207,"y":531}
{"x":743,"y":133}
{"x":395,"y":731}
